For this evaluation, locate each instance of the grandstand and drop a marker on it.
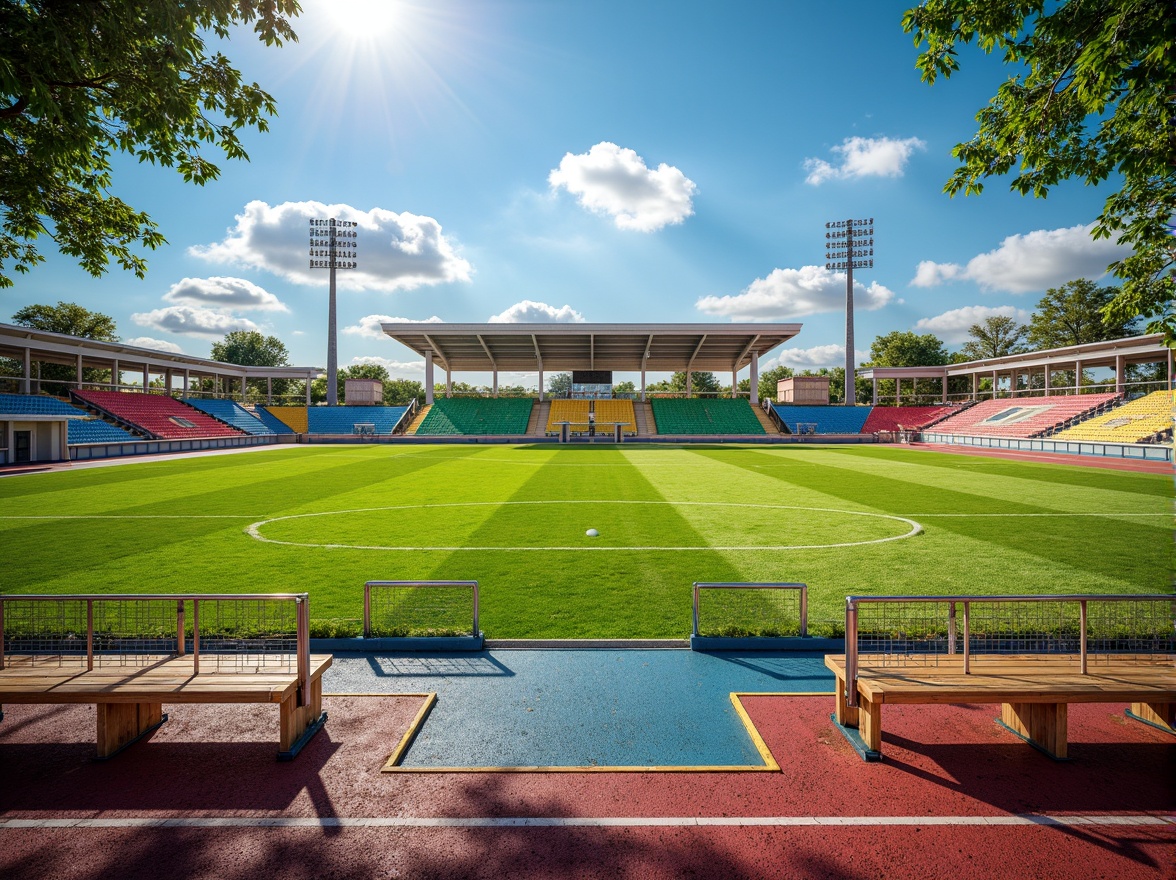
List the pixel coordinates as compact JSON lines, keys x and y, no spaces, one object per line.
{"x":610,"y":411}
{"x":97,"y":431}
{"x":156,"y":415}
{"x":343,"y":419}
{"x":231,"y":413}
{"x":717,"y":415}
{"x":575,"y":411}
{"x":888,"y":419}
{"x":477,"y":415}
{"x":1135,"y":422}
{"x":37,"y":405}
{"x":1027,"y":417}
{"x":822,"y":419}
{"x":293,"y":418}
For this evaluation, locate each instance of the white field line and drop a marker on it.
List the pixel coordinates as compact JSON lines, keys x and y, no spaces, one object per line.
{"x":1057,"y":821}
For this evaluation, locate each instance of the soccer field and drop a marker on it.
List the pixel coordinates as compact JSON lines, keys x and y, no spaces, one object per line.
{"x":844,"y":520}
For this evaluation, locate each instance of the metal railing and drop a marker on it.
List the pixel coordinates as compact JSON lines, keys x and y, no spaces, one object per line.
{"x":800,"y":590}
{"x":138,"y":628}
{"x":918,"y":629}
{"x":385,"y":600}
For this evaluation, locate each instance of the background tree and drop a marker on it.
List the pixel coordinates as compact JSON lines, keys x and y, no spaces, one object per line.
{"x":626,"y":387}
{"x":768,"y":381}
{"x":559,"y":384}
{"x":1076,"y":313}
{"x":1094,"y":100}
{"x":907,"y":349}
{"x":318,"y":388}
{"x":995,"y":336}
{"x":401,"y":392}
{"x":81,"y":80}
{"x":700,"y":383}
{"x":250,"y":348}
{"x":73,"y":320}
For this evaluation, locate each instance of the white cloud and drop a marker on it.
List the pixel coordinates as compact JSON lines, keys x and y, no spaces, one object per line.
{"x":396,"y":369}
{"x":189,"y":321}
{"x":790,"y":293}
{"x":952,"y":326}
{"x":369,"y":325}
{"x":1031,"y":262}
{"x":812,"y":358}
{"x":395,"y":251}
{"x":222,"y":292}
{"x":528,"y":312}
{"x":157,"y":344}
{"x":612,"y":180}
{"x":864,"y":157}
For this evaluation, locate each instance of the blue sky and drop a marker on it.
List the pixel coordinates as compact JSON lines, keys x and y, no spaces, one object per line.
{"x":603,"y":161}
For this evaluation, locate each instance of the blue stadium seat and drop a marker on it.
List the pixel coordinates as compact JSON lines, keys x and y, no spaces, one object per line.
{"x":826,"y":419}
{"x":36,"y":405}
{"x":273,"y":422}
{"x":97,"y":431}
{"x":231,"y":413}
{"x":343,"y":419}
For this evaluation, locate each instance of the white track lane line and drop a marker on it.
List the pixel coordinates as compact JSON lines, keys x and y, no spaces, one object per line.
{"x":1059,"y":821}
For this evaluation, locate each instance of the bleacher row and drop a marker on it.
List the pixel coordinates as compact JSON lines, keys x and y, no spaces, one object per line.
{"x":110,"y":417}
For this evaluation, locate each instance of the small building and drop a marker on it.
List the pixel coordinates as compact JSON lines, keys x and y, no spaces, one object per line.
{"x":363,"y":392}
{"x":811,"y":390}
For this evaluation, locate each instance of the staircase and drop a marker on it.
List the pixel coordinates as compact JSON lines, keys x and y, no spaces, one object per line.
{"x":418,"y":418}
{"x":537,"y":425}
{"x":765,"y":420}
{"x":646,"y":426}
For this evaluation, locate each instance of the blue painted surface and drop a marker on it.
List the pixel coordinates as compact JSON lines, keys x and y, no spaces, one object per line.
{"x":570,"y":708}
{"x":828,"y":419}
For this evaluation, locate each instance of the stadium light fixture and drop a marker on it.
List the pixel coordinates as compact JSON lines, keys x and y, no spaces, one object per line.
{"x":849,"y":245}
{"x":333,"y":245}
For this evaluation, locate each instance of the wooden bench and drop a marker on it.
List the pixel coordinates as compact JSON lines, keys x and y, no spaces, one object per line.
{"x":128,"y":655}
{"x":1033,"y":690}
{"x":1032,"y":654}
{"x":130,"y":699}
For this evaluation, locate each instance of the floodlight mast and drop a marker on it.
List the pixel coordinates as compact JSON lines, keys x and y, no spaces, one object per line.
{"x":849,"y":245}
{"x":333,"y":245}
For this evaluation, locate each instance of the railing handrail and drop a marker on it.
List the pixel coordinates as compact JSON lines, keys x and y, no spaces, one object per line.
{"x":367,"y":597}
{"x":753,"y":585}
{"x":851,"y":622}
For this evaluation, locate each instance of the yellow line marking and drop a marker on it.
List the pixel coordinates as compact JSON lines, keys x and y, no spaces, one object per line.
{"x":392,"y":764}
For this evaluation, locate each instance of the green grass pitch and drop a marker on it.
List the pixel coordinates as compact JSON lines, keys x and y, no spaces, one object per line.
{"x":844,"y":520}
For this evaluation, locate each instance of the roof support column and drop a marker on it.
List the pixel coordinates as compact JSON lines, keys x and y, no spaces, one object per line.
{"x":115,"y":376}
{"x":1048,"y":377}
{"x":187,"y":380}
{"x":167,"y":380}
{"x":1077,"y":377}
{"x":643,"y":379}
{"x":994,"y":384}
{"x":428,"y":378}
{"x":269,"y":390}
{"x":494,"y":383}
{"x":1120,"y":373}
{"x":734,"y":382}
{"x":244,"y":390}
{"x":79,"y":372}
{"x":755,"y":378}
{"x":1169,"y":369}
{"x":26,"y":384}
{"x":975,"y":384}
{"x":897,"y":391}
{"x":308,"y":382}
{"x":146,"y":377}
{"x":541,"y":381}
{"x":945,"y":386}
{"x":874,"y":383}
{"x":448,"y":382}
{"x":689,"y":383}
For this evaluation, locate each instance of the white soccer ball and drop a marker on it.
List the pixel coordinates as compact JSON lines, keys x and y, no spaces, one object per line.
{"x":592,"y":533}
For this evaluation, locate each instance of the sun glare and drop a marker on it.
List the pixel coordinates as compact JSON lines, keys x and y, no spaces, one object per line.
{"x":363,"y":19}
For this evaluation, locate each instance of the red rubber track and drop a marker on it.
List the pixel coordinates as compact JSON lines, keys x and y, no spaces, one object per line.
{"x":940,"y":762}
{"x":1116,"y":464}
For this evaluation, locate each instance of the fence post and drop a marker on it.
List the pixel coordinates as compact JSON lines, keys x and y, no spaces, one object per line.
{"x":181,"y":646}
{"x":695,"y":612}
{"x":1082,"y":634}
{"x":195,"y":636}
{"x":967,"y":639}
{"x":302,"y":606}
{"x":851,"y":654}
{"x":803,"y":610}
{"x":89,"y":634}
{"x":476,"y":630}
{"x":951,"y":627}
{"x":1,"y":633}
{"x":367,"y":607}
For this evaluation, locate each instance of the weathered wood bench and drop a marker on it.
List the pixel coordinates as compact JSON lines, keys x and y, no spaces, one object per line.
{"x":1034,"y":687}
{"x":127,"y":676}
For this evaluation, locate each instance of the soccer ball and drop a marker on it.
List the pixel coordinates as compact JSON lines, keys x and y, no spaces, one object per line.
{"x":592,"y":533}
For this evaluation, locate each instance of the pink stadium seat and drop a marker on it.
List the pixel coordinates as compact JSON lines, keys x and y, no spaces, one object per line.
{"x":157,"y":415}
{"x":1024,"y":417}
{"x":910,"y":418}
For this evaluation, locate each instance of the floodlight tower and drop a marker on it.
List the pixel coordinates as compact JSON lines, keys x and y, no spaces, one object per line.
{"x":849,"y":245}
{"x":333,"y":245}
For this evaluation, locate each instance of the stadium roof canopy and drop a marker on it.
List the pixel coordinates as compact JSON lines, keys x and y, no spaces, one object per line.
{"x":626,"y":347}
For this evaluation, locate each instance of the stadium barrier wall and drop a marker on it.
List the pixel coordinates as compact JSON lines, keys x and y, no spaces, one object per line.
{"x":89,"y":451}
{"x":1134,"y":451}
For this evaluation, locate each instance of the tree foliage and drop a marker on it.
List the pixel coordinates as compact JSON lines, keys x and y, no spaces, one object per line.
{"x":1076,"y":313}
{"x":559,"y":384}
{"x":1094,"y":100}
{"x":995,"y":336}
{"x":251,"y":349}
{"x":700,"y":383}
{"x":69,"y":318}
{"x":768,"y":381}
{"x":82,"y":80}
{"x":902,"y":348}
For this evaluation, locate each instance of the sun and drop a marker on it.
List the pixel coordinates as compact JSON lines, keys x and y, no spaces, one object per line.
{"x":363,"y":19}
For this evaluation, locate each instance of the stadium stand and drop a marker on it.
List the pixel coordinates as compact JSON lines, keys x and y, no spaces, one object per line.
{"x":292,"y":417}
{"x":477,"y":415}
{"x":1134,"y":422}
{"x":343,"y":419}
{"x":156,"y":415}
{"x":575,"y":411}
{"x":232,"y":413}
{"x":97,"y":431}
{"x":617,"y":410}
{"x":35,"y":405}
{"x":719,"y":415}
{"x":823,"y":419}
{"x":885,"y":419}
{"x":1027,"y":417}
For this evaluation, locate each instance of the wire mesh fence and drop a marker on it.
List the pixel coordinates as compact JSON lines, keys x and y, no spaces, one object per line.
{"x":741,"y":610}
{"x":403,"y":609}
{"x":224,"y":633}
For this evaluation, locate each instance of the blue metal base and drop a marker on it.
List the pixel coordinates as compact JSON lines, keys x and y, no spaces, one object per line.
{"x":766,"y":643}
{"x":1033,"y":743}
{"x":855,"y":740}
{"x":129,"y":743}
{"x":1126,"y":712}
{"x":303,"y":740}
